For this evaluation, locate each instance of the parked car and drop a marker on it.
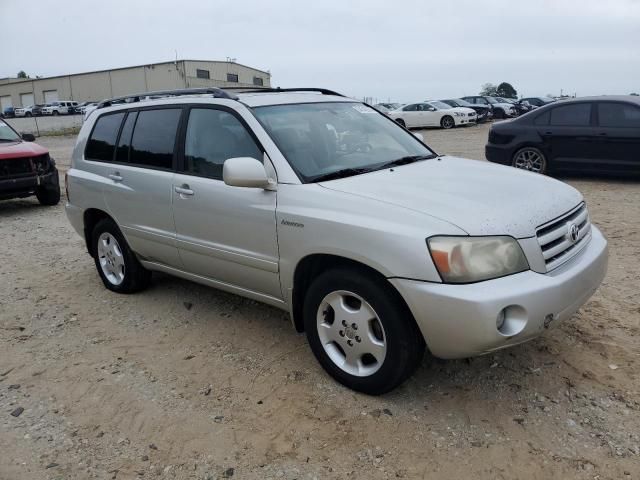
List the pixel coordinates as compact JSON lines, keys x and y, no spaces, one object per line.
{"x":462,"y":115}
{"x":9,"y":112}
{"x":483,"y":112}
{"x":588,"y":134}
{"x":418,"y":115}
{"x":387,"y":106}
{"x":26,"y":168}
{"x":538,"y":101}
{"x":87,"y":109}
{"x":59,"y":108}
{"x":499,"y":109}
{"x":520,"y":106}
{"x":30,"y":111}
{"x":322,"y":206}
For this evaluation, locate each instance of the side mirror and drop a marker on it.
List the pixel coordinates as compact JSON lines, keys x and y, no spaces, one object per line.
{"x":28,"y":137}
{"x":245,"y":172}
{"x":431,"y":109}
{"x":419,"y":136}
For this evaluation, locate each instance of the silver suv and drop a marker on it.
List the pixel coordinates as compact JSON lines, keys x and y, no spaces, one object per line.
{"x":324,"y":207}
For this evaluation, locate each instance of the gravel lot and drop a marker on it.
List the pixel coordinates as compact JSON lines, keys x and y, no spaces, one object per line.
{"x":183,"y":381}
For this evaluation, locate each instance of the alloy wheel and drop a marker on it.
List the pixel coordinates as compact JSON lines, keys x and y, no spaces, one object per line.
{"x":351,"y":333}
{"x":529,"y":159}
{"x":111,"y":258}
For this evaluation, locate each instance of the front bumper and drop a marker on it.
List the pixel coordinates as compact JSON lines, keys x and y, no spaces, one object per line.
{"x":459,"y":321}
{"x":20,"y":187}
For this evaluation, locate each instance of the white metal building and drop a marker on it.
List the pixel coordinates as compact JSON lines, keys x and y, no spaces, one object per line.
{"x":92,"y":86}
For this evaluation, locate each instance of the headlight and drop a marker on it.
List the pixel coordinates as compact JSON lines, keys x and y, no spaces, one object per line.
{"x":457,"y":114}
{"x":473,"y":259}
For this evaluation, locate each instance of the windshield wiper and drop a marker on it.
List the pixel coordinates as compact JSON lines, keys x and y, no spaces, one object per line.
{"x":342,"y":173}
{"x":405,"y":161}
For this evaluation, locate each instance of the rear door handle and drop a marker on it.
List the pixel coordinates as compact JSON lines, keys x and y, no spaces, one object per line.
{"x":115,"y":176}
{"x":184,"y":190}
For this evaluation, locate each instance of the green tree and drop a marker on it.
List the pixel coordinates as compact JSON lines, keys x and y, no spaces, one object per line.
{"x":506,"y":90}
{"x":22,"y":74}
{"x":488,"y":89}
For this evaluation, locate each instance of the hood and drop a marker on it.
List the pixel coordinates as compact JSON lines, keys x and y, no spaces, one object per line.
{"x":479,"y":197}
{"x":20,"y":150}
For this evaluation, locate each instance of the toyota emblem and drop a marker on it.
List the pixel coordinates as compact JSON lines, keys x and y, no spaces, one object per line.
{"x":574,"y":232}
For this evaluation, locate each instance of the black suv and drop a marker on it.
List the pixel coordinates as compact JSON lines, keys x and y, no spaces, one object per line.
{"x":589,"y":134}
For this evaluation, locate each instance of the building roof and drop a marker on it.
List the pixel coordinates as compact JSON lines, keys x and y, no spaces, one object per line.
{"x":13,"y":80}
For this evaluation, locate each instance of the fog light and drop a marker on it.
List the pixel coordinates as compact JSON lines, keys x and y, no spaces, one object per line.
{"x":511,"y":320}
{"x":500,"y":320}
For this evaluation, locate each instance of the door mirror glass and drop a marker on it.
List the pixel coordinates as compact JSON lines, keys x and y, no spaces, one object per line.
{"x":244,"y":172}
{"x":431,"y":109}
{"x":28,"y":137}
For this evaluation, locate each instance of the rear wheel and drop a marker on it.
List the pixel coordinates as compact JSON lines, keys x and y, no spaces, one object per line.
{"x":360,"y":330}
{"x":447,"y":122}
{"x":531,"y":159}
{"x":117,"y":265}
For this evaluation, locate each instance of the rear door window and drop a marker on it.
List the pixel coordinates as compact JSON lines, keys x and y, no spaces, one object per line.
{"x":618,"y":115}
{"x":102,"y":141}
{"x":577,"y":115}
{"x":124,"y":142}
{"x":154,"y":138}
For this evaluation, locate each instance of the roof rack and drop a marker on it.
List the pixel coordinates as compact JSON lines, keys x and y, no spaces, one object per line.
{"x":215,"y":92}
{"x":323,"y":91}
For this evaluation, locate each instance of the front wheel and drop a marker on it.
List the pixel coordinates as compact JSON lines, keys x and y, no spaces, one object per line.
{"x":48,"y":194}
{"x":361,"y":331}
{"x":117,"y":265}
{"x":401,"y":122}
{"x":447,"y":122}
{"x":531,"y":159}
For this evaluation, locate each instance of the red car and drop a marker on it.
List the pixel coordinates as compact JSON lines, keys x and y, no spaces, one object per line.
{"x":26,"y":168}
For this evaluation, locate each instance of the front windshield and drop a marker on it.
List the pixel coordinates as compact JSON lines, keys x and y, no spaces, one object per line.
{"x":7,"y":134}
{"x":462,"y":103}
{"x":321,"y":138}
{"x":440,"y":105}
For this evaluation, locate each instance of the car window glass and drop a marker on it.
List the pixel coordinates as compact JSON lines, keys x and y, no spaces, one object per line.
{"x":410,"y":108}
{"x":618,"y":115}
{"x":103,"y":138}
{"x":576,"y":115}
{"x":154,"y":138}
{"x":214,"y":136}
{"x":122,"y":150}
{"x":542,"y":119}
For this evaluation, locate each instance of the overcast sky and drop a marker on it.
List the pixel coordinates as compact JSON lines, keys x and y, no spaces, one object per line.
{"x":404,"y":50}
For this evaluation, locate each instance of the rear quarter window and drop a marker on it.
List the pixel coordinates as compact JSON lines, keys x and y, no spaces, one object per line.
{"x":102,"y":141}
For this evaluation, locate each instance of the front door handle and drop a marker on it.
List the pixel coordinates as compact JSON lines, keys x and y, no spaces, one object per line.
{"x":115,"y":176}
{"x":183,"y":190}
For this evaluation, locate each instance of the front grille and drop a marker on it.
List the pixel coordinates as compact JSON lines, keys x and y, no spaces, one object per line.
{"x":16,"y":167}
{"x":555,"y":237}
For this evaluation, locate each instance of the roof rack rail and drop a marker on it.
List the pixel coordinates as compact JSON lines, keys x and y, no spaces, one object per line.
{"x":216,"y":92}
{"x":323,"y":91}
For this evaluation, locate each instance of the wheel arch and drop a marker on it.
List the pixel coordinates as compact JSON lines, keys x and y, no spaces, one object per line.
{"x":312,"y":265}
{"x":91,"y":217}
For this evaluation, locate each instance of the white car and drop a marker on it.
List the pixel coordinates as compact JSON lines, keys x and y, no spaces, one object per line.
{"x":58,"y":108}
{"x":461,"y":115}
{"x":320,"y":205}
{"x":417,"y":115}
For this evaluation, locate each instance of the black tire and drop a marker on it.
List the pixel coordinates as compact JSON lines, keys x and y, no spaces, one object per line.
{"x":447,"y":122}
{"x":402,"y":338}
{"x":136,"y":277}
{"x":401,"y":122}
{"x":55,"y":112}
{"x":28,"y":114}
{"x":536,"y":157}
{"x":48,"y":194}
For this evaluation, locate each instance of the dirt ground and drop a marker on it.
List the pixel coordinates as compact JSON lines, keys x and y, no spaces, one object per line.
{"x":183,"y":381}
